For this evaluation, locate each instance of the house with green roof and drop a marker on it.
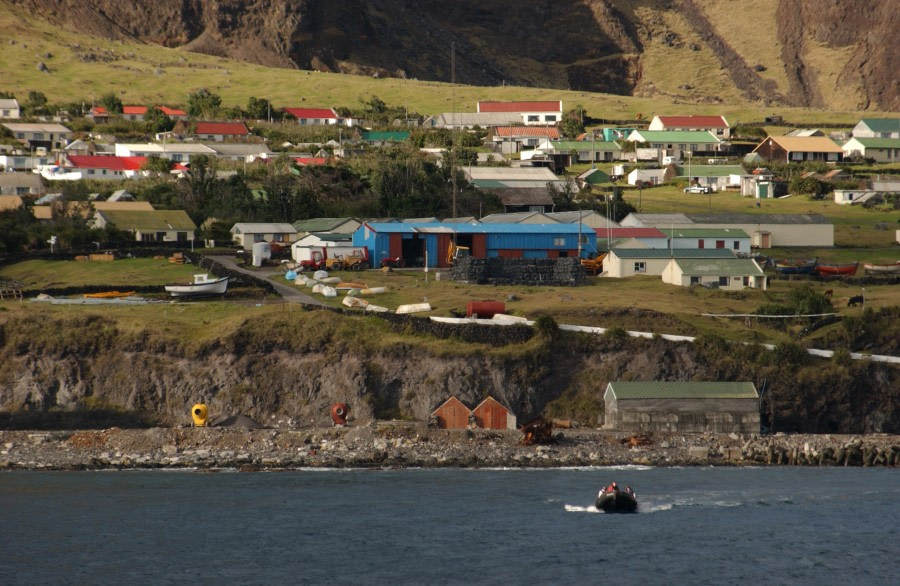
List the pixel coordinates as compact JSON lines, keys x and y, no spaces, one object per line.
{"x":881,"y":150}
{"x":381,"y":138}
{"x":334,"y":225}
{"x":716,"y":177}
{"x":582,"y":151}
{"x":682,"y":406}
{"x":624,"y":262}
{"x":704,"y":238}
{"x":729,"y":274}
{"x":877,"y":128}
{"x":677,"y":143}
{"x":149,"y":225}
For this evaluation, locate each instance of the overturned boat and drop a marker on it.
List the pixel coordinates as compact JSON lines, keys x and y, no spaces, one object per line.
{"x":613,"y":500}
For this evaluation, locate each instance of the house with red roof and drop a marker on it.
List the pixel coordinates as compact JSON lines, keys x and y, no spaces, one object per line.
{"x":220,"y":131}
{"x":532,"y":113}
{"x":717,"y":125}
{"x":173,"y":113}
{"x":512,"y":139}
{"x":75,"y":167}
{"x":317,"y":116}
{"x":134,"y":113}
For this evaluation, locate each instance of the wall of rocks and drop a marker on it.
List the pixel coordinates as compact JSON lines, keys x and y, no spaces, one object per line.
{"x":519,"y":271}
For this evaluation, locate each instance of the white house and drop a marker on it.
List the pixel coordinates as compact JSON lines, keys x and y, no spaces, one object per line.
{"x":219,"y":131}
{"x":582,"y":151}
{"x":877,"y":128}
{"x":317,"y":116}
{"x":882,"y":150}
{"x":715,"y":176}
{"x":618,"y":237}
{"x":247,"y":234}
{"x":852,"y":196}
{"x":150,"y":226}
{"x":9,"y":108}
{"x":531,"y":113}
{"x":512,"y":139}
{"x":512,"y":177}
{"x":20,"y":184}
{"x":42,"y":134}
{"x":730,"y":274}
{"x":677,"y":144}
{"x":646,"y":176}
{"x":460,"y":120}
{"x":177,"y":152}
{"x":717,"y":125}
{"x":629,"y":262}
{"x":705,"y":238}
{"x":77,"y":167}
{"x":21,"y":162}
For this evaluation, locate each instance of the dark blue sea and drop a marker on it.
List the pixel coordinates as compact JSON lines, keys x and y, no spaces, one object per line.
{"x":695,"y":526}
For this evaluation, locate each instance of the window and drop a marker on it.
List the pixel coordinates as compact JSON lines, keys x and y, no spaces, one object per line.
{"x":38,"y":136}
{"x":181,"y":236}
{"x":746,"y":281}
{"x":695,"y":280}
{"x":20,"y":135}
{"x":640,"y":267}
{"x":701,"y":243}
{"x":559,"y":242}
{"x":550,"y":118}
{"x":258,"y":238}
{"x":534,"y":118}
{"x":737,"y":245}
{"x":720,"y":244}
{"x":723,"y":281}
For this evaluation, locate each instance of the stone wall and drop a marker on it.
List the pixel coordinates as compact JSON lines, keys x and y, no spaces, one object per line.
{"x":519,"y":271}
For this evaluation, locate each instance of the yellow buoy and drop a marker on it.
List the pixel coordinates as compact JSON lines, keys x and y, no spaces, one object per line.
{"x":198,"y":413}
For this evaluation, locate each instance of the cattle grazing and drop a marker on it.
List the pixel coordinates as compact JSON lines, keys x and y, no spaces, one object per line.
{"x":856,"y":300}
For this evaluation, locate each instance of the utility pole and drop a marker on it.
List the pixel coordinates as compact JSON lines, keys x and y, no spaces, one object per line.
{"x":453,"y":125}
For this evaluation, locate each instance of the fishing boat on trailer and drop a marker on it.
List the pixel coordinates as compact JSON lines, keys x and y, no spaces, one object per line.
{"x":882,"y":269}
{"x":796,"y":267}
{"x":201,"y":285}
{"x":837,"y":269}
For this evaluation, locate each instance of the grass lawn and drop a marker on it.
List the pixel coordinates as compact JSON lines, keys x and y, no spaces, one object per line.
{"x":47,"y":274}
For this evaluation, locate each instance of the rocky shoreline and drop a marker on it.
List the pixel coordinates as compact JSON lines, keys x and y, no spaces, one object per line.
{"x":403,"y":445}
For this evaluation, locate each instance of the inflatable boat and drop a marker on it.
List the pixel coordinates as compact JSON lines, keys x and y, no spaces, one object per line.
{"x":616,"y":501}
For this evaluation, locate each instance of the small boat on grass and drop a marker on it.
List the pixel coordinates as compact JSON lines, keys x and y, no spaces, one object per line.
{"x":201,"y":285}
{"x":837,"y":269}
{"x":613,"y":500}
{"x":796,"y":267}
{"x":882,"y":269}
{"x":109,"y":294}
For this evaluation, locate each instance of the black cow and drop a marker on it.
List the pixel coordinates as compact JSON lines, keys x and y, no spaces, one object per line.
{"x":856,"y":300}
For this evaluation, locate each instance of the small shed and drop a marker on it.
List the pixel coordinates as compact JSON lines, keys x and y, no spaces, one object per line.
{"x":490,"y":414}
{"x":718,"y":407}
{"x":452,"y":414}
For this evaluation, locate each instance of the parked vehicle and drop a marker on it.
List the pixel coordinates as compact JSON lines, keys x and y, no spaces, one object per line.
{"x":395,"y":262}
{"x":697,"y":189}
{"x":454,"y":252}
{"x":594,"y":264}
{"x":357,"y":260}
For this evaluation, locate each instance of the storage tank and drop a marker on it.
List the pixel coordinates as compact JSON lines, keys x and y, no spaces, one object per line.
{"x":484,"y":309}
{"x":261,"y":251}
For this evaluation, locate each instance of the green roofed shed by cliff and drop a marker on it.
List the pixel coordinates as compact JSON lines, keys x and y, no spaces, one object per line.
{"x":382,"y":137}
{"x":719,"y":407}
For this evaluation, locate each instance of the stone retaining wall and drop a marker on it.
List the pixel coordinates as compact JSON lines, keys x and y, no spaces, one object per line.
{"x":519,"y":271}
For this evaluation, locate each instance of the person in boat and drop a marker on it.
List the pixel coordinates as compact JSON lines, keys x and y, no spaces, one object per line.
{"x":629,"y":491}
{"x":612,"y":488}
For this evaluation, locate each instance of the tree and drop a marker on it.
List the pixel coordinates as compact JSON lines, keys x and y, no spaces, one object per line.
{"x":111,"y":103}
{"x":259,"y":109}
{"x":157,"y":121}
{"x":36,"y":104}
{"x":157,"y":164}
{"x":203,"y":104}
{"x":197,"y":185}
{"x":572,"y":123}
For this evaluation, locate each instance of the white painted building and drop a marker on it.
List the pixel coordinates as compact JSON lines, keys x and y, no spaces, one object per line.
{"x":728,"y":274}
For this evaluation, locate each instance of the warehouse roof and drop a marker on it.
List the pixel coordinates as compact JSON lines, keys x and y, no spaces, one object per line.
{"x":631,"y":253}
{"x":681,"y":390}
{"x":718,"y":267}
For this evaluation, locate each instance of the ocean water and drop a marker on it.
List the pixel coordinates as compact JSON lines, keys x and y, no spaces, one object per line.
{"x":695,"y":526}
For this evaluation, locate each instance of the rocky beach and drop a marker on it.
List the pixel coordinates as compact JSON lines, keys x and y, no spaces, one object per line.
{"x":403,"y":444}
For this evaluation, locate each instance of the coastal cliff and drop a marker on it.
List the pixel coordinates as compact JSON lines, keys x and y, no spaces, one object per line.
{"x":286,"y":369}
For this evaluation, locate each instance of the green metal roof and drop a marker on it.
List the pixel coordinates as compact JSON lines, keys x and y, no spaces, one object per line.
{"x":704,"y":232}
{"x":584,"y":145}
{"x":488,"y":183}
{"x":158,"y":220}
{"x":631,"y":253}
{"x":719,"y":267}
{"x":882,"y":124}
{"x":595,"y":177}
{"x":670,"y":136}
{"x":319,"y":224}
{"x":877,"y":143}
{"x":682,"y":390}
{"x":710,"y":170}
{"x":382,"y":136}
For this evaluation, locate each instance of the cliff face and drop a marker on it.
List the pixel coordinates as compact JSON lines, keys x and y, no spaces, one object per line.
{"x":594,"y":45}
{"x":280,"y":372}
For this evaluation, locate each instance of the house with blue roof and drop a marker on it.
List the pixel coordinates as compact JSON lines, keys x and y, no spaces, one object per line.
{"x":427,"y":244}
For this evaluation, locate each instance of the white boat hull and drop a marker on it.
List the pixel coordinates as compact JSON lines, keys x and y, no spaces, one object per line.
{"x":210,"y":287}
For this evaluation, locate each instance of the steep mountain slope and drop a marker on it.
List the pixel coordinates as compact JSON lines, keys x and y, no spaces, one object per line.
{"x":836,"y":54}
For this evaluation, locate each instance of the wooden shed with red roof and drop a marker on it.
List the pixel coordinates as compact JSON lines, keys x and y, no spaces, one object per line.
{"x":452,"y":414}
{"x":491,"y":414}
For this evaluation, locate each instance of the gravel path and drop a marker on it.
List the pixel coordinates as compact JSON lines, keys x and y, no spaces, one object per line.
{"x":290,"y":293}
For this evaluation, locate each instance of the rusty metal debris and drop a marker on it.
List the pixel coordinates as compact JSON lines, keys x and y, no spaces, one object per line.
{"x":642,"y":439}
{"x":538,"y":432}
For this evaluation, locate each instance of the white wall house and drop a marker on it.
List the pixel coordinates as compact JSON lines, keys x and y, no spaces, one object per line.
{"x":877,"y":128}
{"x":709,"y":238}
{"x":629,"y":262}
{"x":546,"y":113}
{"x":722,"y":273}
{"x":46,"y":134}
{"x":9,"y":108}
{"x":247,"y":234}
{"x":717,"y":125}
{"x":646,"y":176}
{"x":882,"y":150}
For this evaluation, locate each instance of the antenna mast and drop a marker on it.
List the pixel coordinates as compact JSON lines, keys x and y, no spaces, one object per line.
{"x":453,"y":124}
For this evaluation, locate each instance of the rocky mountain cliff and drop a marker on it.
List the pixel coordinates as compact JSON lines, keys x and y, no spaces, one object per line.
{"x":835,"y":54}
{"x":289,"y":371}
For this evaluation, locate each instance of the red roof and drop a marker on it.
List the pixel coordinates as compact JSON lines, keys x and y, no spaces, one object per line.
{"x":172,"y":111}
{"x":224,"y":128}
{"x":310,"y":161}
{"x":693,"y":121}
{"x":134,"y":110}
{"x":106,"y":162}
{"x":315,"y":113}
{"x":98,"y":111}
{"x":555,"y":106}
{"x":629,"y":233}
{"x":548,"y":131}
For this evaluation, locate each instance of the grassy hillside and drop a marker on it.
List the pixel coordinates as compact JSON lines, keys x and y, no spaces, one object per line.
{"x":82,"y":68}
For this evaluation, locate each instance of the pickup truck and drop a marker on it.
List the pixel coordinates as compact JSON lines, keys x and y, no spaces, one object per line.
{"x":697,"y":189}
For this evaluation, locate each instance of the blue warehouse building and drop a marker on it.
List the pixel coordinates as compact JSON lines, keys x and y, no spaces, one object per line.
{"x":416,"y":242}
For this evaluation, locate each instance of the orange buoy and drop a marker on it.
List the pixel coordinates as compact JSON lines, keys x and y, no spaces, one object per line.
{"x":339,"y":412}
